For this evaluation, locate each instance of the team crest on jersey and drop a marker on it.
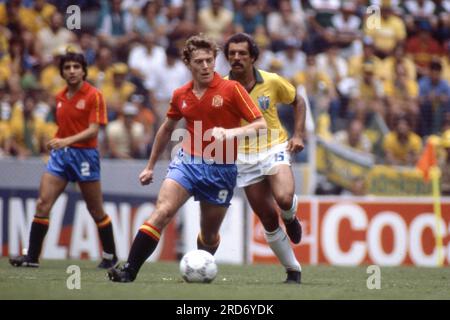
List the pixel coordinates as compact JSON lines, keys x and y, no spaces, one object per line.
{"x":81,"y":104}
{"x":183,"y":105}
{"x":264,"y":102}
{"x":217,"y":101}
{"x":59,"y":105}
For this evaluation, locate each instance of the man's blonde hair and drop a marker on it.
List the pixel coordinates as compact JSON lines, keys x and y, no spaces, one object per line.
{"x":197,"y":42}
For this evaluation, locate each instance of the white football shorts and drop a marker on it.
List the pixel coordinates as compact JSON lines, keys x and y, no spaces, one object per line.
{"x":253,"y":168}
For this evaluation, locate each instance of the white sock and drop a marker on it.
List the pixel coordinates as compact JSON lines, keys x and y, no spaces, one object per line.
{"x":288,"y":215}
{"x":279,"y":243}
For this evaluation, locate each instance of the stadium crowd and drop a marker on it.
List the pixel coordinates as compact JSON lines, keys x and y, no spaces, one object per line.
{"x":363,"y":64}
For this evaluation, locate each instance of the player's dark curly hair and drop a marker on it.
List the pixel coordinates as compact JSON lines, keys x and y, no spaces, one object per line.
{"x":198,"y":42}
{"x":75,"y":57}
{"x":243,"y":37}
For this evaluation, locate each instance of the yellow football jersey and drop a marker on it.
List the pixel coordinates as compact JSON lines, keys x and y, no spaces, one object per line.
{"x":270,"y":90}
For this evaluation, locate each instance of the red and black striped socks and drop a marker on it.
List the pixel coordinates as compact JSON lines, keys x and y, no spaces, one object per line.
{"x":143,"y":246}
{"x":105,"y":231}
{"x":39,"y":228}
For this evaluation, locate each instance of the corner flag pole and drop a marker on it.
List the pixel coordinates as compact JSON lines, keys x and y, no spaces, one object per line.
{"x":435,"y":173}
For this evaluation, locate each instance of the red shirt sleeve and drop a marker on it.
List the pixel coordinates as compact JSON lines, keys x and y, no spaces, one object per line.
{"x":174,"y":111}
{"x":247,"y":108}
{"x":98,"y":110}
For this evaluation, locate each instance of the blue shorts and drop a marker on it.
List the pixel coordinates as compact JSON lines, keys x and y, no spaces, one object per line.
{"x":213,"y":183}
{"x":75,"y":164}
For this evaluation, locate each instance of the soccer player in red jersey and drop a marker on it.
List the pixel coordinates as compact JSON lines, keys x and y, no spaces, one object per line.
{"x":205,"y":165}
{"x":80,"y":111}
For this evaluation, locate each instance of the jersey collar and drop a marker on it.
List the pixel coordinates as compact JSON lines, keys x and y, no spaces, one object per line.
{"x":84,"y":89}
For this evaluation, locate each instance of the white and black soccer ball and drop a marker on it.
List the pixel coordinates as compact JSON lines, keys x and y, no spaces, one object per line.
{"x":198,"y":266}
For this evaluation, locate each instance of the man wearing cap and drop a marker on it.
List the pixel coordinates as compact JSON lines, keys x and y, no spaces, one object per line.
{"x":118,"y":91}
{"x":125,"y":135}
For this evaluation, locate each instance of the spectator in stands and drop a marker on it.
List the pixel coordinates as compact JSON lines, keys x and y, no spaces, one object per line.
{"x":292,"y":59}
{"x":88,"y":47}
{"x":444,"y":163}
{"x":151,"y":20}
{"x":320,"y":14}
{"x":144,"y":59}
{"x":167,"y":76}
{"x":116,"y":28}
{"x":215,"y":20}
{"x":249,"y":20}
{"x":347,"y":29}
{"x":356,"y":62}
{"x":50,"y":79}
{"x":5,"y":115}
{"x":389,"y":33}
{"x":29,"y":133}
{"x":387,"y":67}
{"x":318,"y":85}
{"x":434,"y":99}
{"x":42,"y":13}
{"x":445,"y":63}
{"x":285,"y":23}
{"x":354,"y":137}
{"x":148,"y":119}
{"x":266,"y":55}
{"x":5,"y":59}
{"x":402,"y":95}
{"x":53,"y":37}
{"x":367,"y":96}
{"x":418,"y":11}
{"x":423,"y":47}
{"x":118,"y":91}
{"x":125,"y":135}
{"x":101,"y":72}
{"x":333,"y":64}
{"x":402,"y":147}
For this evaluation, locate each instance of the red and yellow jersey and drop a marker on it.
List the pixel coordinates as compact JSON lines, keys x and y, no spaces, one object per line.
{"x":74,"y":115}
{"x":223,"y":104}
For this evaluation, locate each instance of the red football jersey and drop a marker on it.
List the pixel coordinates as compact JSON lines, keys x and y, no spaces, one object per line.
{"x":223,"y":104}
{"x":75,"y":114}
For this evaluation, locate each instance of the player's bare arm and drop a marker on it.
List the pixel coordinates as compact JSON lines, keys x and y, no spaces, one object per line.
{"x":58,"y":143}
{"x":296,"y":143}
{"x":162,"y":138}
{"x":222,"y":134}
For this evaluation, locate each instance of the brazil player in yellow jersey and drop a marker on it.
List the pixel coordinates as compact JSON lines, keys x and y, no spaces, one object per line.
{"x":264,"y":164}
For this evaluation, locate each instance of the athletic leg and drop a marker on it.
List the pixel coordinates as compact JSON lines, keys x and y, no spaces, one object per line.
{"x":92,"y":195}
{"x":283,"y":189}
{"x":171,"y":197}
{"x":50,"y":189}
{"x":260,"y":198}
{"x":211,"y":217}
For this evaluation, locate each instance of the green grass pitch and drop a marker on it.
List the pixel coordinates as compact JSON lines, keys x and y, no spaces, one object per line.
{"x":162,"y":281}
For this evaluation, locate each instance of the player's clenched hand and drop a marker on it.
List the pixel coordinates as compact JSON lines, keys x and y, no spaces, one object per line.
{"x":146,"y":176}
{"x":295,"y":145}
{"x":57,"y":143}
{"x":219,"y":133}
{"x":222,"y":134}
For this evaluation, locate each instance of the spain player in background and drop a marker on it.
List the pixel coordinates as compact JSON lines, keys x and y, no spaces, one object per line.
{"x":264,"y":164}
{"x":213,"y":108}
{"x":80,"y":111}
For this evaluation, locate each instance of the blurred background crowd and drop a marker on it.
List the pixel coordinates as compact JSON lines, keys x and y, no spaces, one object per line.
{"x":363,"y":64}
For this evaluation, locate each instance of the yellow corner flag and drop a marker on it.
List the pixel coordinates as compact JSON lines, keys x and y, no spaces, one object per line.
{"x":427,"y":164}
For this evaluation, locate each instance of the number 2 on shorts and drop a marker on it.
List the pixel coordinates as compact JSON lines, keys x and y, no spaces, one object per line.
{"x":85,"y":169}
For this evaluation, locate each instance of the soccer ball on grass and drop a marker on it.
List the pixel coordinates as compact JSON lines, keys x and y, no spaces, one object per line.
{"x":198,"y":266}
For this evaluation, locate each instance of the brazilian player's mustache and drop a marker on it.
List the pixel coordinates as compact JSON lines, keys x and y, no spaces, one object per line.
{"x":237,"y":64}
